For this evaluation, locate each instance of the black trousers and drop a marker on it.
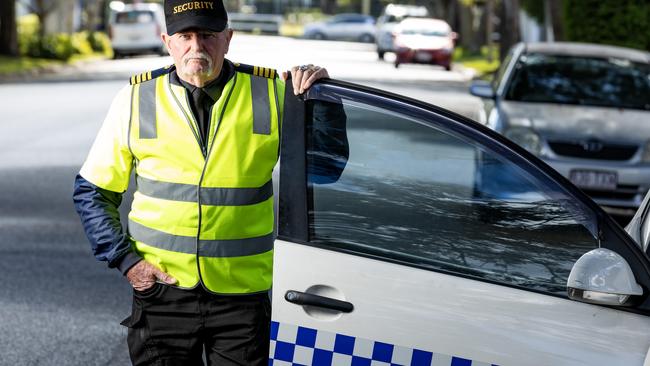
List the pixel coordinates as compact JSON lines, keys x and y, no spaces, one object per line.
{"x":171,"y":326}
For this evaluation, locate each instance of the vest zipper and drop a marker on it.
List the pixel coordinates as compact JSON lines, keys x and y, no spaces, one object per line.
{"x":198,"y":189}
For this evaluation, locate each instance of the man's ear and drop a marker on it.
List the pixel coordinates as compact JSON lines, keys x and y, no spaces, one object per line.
{"x":229,"y":33}
{"x":166,"y":38}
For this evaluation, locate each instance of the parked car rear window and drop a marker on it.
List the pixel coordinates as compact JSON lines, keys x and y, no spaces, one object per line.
{"x":605,"y":82}
{"x":426,"y":32}
{"x":133,"y":17}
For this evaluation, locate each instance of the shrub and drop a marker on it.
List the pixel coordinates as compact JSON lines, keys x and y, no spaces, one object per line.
{"x":623,"y":22}
{"x":81,"y":44}
{"x":27,"y":34}
{"x":57,"y":46}
{"x":100,"y":42}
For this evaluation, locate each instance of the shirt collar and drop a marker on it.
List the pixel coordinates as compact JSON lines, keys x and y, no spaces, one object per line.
{"x":214,"y":88}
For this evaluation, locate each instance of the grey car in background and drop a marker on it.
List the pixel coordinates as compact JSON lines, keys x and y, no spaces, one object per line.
{"x":349,"y":27}
{"x":584,"y":109}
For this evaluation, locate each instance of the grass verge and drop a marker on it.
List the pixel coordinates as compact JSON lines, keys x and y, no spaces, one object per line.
{"x":478,"y":61}
{"x":15,"y":65}
{"x":21,"y":64}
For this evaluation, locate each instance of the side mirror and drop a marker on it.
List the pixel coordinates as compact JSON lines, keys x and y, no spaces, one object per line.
{"x":482,"y":89}
{"x":603,"y":277}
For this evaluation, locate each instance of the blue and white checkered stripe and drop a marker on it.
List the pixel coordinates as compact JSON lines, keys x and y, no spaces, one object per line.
{"x":292,"y":345}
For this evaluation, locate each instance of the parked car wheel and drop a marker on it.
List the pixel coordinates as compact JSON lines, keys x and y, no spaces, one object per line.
{"x":366,"y":38}
{"x":319,"y":36}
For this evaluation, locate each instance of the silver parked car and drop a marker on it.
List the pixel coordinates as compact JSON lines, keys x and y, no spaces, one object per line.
{"x":582,"y":108}
{"x":350,"y":27}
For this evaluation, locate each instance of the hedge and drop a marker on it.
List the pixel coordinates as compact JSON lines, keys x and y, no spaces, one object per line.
{"x":58,"y":46}
{"x":621,"y":22}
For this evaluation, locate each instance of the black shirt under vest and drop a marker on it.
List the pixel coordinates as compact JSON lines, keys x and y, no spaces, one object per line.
{"x":201,"y":100}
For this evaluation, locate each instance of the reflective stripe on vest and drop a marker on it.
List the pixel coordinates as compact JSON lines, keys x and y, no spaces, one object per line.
{"x":207,"y":248}
{"x":147,"y":110}
{"x":216,"y":208}
{"x":261,"y":106}
{"x":209,"y":196}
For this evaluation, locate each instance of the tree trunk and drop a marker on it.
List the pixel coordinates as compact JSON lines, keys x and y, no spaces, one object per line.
{"x":557,"y":16}
{"x":8,"y":29}
{"x":489,"y":27}
{"x":549,"y":34}
{"x":328,"y":6}
{"x":509,"y":27}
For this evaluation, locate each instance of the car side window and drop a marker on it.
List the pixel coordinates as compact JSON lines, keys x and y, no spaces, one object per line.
{"x":417,"y":192}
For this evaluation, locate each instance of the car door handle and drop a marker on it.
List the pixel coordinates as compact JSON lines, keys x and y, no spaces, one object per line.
{"x":302,"y":298}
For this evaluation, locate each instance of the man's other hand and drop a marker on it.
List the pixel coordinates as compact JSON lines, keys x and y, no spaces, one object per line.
{"x":304,"y":76}
{"x":143,"y":275}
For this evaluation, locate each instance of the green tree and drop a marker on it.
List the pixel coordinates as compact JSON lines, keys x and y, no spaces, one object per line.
{"x":622,"y":22}
{"x":42,"y":9}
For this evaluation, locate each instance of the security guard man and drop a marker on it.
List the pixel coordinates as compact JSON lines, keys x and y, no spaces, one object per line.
{"x":203,"y":138}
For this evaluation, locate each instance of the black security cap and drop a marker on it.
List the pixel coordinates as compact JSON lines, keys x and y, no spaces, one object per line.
{"x":205,"y":14}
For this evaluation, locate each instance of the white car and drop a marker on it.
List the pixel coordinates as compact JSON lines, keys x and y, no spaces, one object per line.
{"x":384,"y":255}
{"x":390,"y":17}
{"x":136,"y":29}
{"x":583,"y":109}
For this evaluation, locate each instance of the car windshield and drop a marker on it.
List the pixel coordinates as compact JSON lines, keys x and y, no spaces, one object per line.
{"x":133,"y":17}
{"x":426,"y":32}
{"x":605,"y":82}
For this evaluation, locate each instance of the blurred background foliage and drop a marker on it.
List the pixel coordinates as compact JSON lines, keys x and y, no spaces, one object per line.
{"x":59,"y":46}
{"x":65,"y":29}
{"x":622,"y":22}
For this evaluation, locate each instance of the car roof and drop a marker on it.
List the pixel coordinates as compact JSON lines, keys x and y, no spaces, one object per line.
{"x":358,"y":15}
{"x":141,"y":6}
{"x":424,"y":22}
{"x":402,"y":10}
{"x":587,"y":49}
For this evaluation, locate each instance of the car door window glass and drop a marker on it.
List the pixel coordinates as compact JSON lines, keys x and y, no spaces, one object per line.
{"x":420,"y":194}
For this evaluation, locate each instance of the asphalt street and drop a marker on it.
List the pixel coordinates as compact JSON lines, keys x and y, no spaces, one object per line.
{"x":58,"y":306}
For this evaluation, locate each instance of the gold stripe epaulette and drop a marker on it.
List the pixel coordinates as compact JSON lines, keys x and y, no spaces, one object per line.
{"x":265,"y":72}
{"x":149,"y":75}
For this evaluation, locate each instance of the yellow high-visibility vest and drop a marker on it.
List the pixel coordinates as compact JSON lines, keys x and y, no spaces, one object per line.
{"x":204,"y":216}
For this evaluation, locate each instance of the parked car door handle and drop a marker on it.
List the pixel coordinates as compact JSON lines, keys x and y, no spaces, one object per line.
{"x":301,"y":298}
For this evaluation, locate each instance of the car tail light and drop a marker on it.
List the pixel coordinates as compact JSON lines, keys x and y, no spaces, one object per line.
{"x":157,"y":30}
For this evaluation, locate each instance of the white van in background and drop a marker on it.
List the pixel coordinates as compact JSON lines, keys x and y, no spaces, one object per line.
{"x":135,"y":29}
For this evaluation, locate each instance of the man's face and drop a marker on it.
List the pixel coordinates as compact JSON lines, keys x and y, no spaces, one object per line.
{"x":198,"y":53}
